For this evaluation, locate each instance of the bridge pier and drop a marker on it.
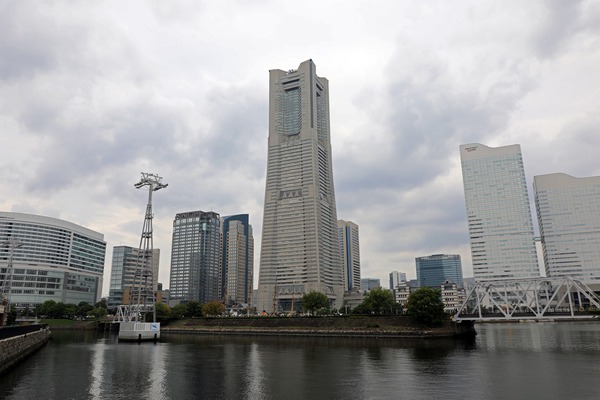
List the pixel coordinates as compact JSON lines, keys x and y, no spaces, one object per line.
{"x":465,"y":328}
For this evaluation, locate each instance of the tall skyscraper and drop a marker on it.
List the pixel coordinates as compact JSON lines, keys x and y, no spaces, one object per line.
{"x":350,"y":254}
{"x":568,"y":210}
{"x":195,"y":256}
{"x":300,"y":250}
{"x":498,"y":213}
{"x":434,"y":270}
{"x":237,"y":259}
{"x":396,"y":278}
{"x":125,"y":260}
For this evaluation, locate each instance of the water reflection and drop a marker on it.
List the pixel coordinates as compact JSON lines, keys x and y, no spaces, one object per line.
{"x":97,"y":370}
{"x":504,"y":361}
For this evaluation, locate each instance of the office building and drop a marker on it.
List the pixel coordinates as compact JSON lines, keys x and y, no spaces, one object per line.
{"x":568,"y":211}
{"x":401,"y":293}
{"x":125,"y":263}
{"x":53,"y":260}
{"x":453,"y":296}
{"x":368,"y":284}
{"x":237,"y":260}
{"x":396,"y":278}
{"x":300,"y":249}
{"x":349,"y":254}
{"x":498,"y":213}
{"x":195,"y":257}
{"x":434,"y":270}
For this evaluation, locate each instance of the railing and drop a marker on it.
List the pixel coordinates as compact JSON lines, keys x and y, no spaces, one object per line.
{"x":12,"y":331}
{"x":537,"y":299}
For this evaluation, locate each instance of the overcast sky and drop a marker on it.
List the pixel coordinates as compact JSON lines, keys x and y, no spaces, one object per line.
{"x":93,"y":93}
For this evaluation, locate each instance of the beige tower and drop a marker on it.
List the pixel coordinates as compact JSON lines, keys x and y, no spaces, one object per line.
{"x":300,"y":250}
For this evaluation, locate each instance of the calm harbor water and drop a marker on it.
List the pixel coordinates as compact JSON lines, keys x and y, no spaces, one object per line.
{"x":505,"y":361}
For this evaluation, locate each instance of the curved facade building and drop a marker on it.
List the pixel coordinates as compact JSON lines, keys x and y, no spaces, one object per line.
{"x":56,"y":260}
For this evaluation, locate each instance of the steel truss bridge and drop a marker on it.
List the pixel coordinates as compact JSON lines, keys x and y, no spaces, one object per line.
{"x":536,"y":299}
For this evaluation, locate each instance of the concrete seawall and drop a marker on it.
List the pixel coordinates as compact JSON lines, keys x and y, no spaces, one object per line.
{"x":15,"y":349}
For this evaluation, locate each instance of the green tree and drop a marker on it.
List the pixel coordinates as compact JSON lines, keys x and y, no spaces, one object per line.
{"x":178,"y":311}
{"x":163,"y":312}
{"x":83,"y":309}
{"x":98,"y":312}
{"x":69,"y":311}
{"x":101,"y":304}
{"x":425,"y":305}
{"x":193,"y":309}
{"x":379,"y":301}
{"x":11,"y":317}
{"x":47,"y":308}
{"x":313,"y":300}
{"x":213,"y":308}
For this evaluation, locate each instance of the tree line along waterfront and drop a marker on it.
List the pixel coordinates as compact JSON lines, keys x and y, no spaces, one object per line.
{"x":424,"y":306}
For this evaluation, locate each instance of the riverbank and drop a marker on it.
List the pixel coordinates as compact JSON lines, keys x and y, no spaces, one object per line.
{"x":332,"y":326}
{"x":342,"y":326}
{"x":19,"y":342}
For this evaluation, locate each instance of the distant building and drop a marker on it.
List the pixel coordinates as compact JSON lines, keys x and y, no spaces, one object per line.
{"x":396,"y":278}
{"x":452,"y":296}
{"x":434,"y":270}
{"x":498,"y":213}
{"x":568,"y":210}
{"x":352,"y":299}
{"x":350,"y":254}
{"x":237,"y":260}
{"x":401,"y":293}
{"x":368,"y":284}
{"x":56,"y":260}
{"x":125,"y":261}
{"x":300,"y":250}
{"x":162,"y":295}
{"x":195,"y":257}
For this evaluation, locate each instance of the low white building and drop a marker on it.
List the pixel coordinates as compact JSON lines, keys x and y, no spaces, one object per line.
{"x":452,"y":296}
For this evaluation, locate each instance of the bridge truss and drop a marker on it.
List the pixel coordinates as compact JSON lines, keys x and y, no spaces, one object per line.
{"x":533,"y":299}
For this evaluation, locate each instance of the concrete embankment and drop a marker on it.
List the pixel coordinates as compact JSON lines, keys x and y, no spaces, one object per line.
{"x":19,"y":343}
{"x":389,"y":327}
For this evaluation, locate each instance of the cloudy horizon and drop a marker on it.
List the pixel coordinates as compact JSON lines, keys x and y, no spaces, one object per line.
{"x":93,"y":93}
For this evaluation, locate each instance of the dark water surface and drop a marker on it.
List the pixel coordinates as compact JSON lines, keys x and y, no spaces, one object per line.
{"x":505,"y":361}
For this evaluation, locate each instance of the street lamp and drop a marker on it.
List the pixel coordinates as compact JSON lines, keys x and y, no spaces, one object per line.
{"x":12,"y":244}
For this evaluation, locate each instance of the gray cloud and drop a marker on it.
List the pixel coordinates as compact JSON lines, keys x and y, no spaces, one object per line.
{"x":92,"y":94}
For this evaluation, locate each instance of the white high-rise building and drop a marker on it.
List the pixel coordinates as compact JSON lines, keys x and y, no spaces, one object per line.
{"x":568,"y":210}
{"x":498,"y":213}
{"x":300,"y":249}
{"x":396,"y":278}
{"x":350,"y":254}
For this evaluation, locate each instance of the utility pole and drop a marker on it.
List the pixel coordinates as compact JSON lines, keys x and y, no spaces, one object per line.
{"x":12,"y":243}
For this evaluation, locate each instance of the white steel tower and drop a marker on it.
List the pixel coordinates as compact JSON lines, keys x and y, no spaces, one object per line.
{"x":141,"y":298}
